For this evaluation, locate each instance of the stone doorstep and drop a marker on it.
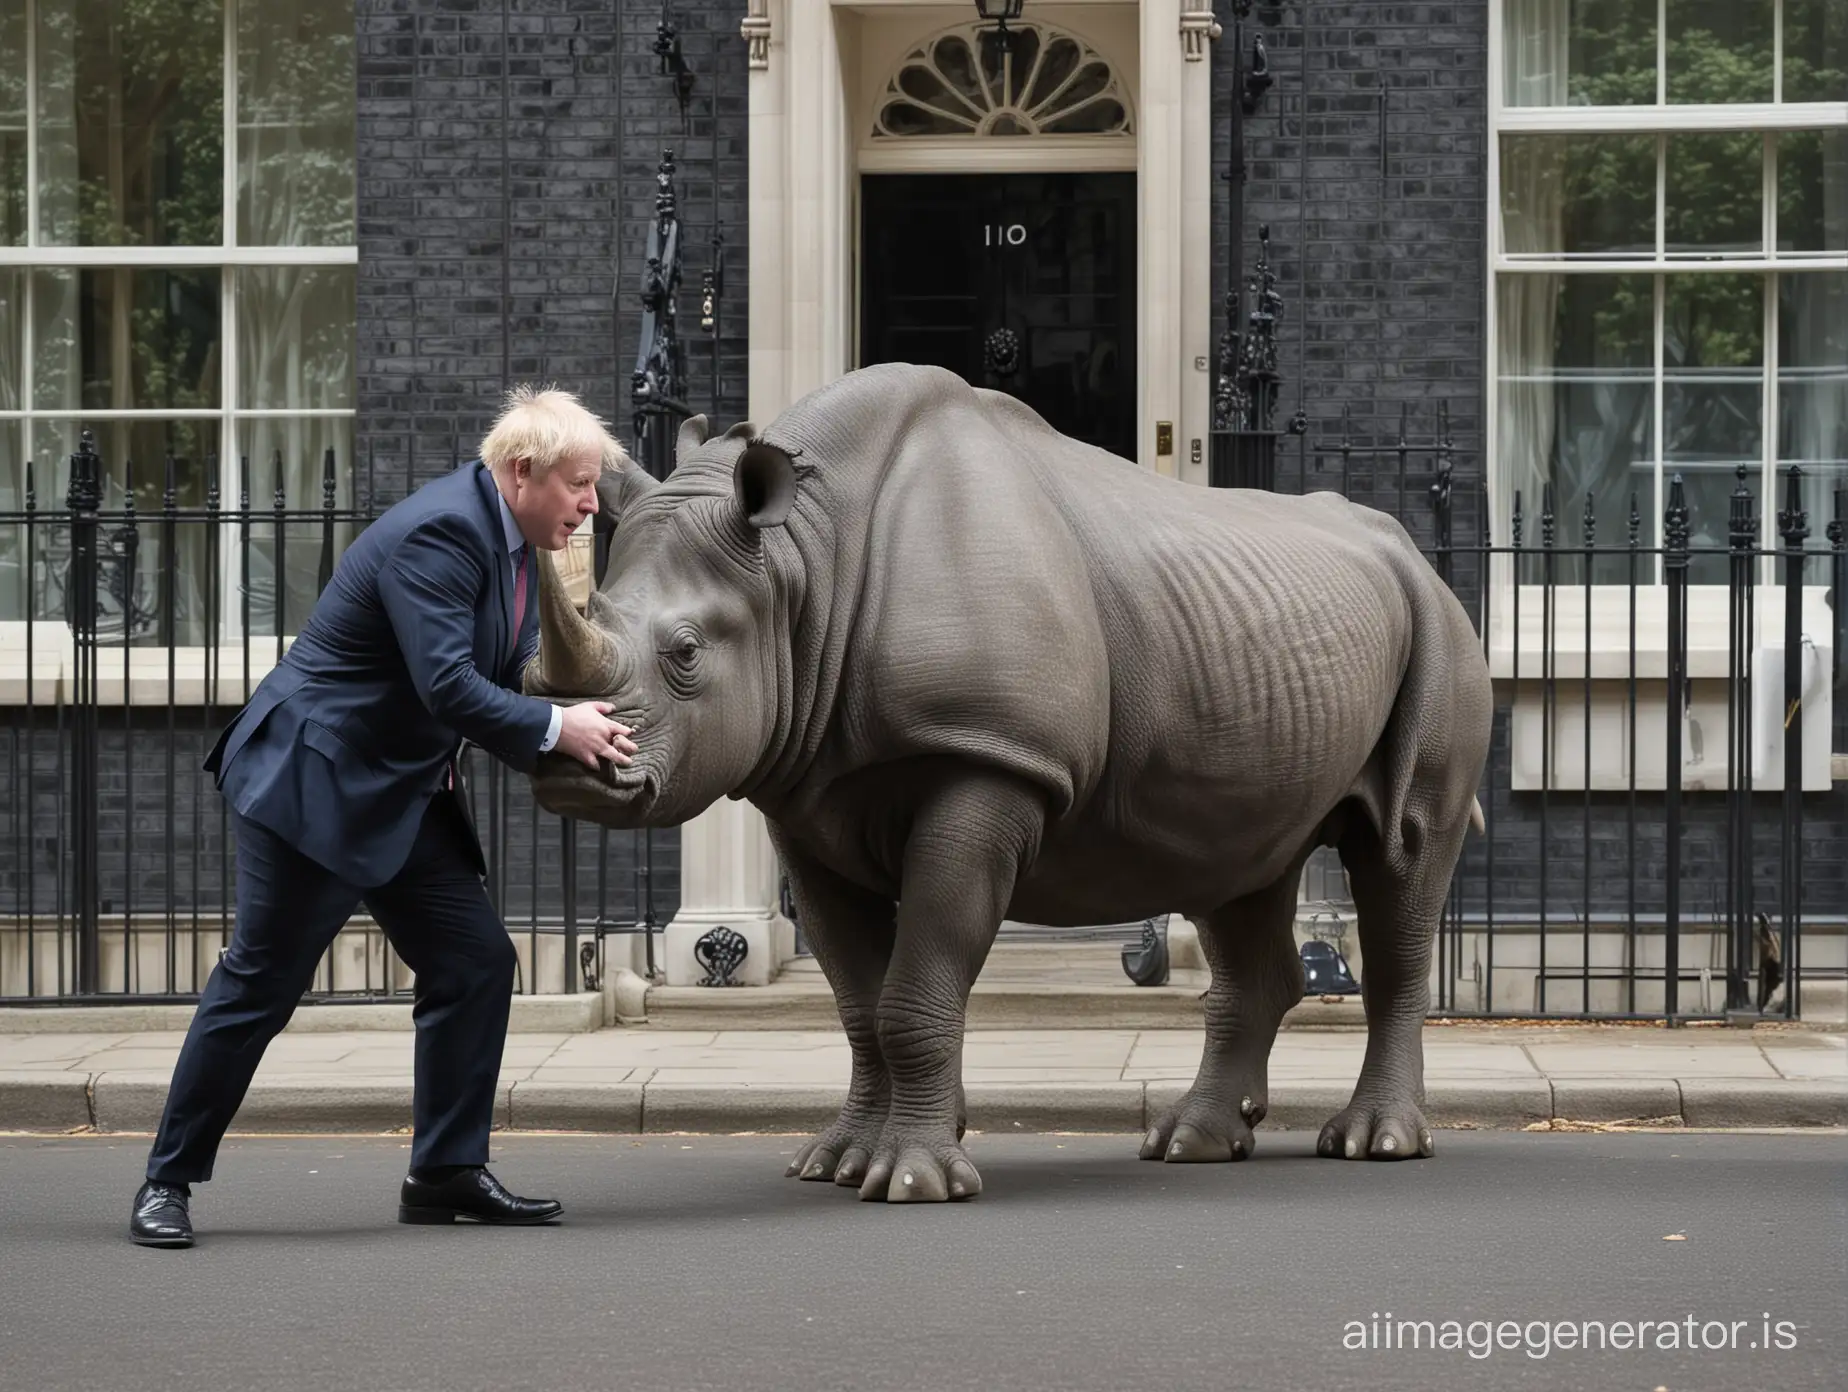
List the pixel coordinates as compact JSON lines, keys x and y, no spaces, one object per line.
{"x":574,"y":1014}
{"x":130,"y":1103}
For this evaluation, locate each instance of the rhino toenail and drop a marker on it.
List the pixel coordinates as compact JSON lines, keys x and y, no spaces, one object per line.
{"x":908,"y":1179}
{"x":1353,"y":1148}
{"x":1238,"y":1147}
{"x":1175,"y":1149}
{"x":1245,"y":1107}
{"x":1390,"y":1143}
{"x":1153,"y":1138}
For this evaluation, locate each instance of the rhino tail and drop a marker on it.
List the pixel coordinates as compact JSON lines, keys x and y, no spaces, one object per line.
{"x":1476,"y":823}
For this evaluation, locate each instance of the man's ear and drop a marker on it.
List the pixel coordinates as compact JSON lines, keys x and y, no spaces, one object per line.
{"x":764,"y":484}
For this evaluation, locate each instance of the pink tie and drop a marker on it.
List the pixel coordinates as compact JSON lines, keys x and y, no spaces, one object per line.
{"x":519,"y":596}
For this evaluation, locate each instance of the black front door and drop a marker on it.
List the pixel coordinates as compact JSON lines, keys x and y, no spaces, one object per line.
{"x":1021,"y":282}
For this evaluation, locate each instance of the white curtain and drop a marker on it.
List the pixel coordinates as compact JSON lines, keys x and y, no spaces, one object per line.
{"x":1535,"y":62}
{"x":1813,"y":389}
{"x":1532,"y":200}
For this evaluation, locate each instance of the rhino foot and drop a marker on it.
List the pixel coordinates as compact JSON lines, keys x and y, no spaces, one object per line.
{"x":909,"y":1168}
{"x":1197,"y":1129}
{"x":1386,"y":1130}
{"x":842,"y":1152}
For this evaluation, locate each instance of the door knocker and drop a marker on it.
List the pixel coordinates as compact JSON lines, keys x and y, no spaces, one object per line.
{"x":1001,"y":353}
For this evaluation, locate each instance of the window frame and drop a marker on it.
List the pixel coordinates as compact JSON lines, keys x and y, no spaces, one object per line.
{"x":230,"y":258}
{"x":1661,"y":120}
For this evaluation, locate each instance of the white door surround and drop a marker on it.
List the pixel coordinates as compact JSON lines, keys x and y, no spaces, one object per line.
{"x":818,"y":73}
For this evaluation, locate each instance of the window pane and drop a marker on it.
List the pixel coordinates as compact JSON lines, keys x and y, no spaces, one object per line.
{"x":12,"y":534}
{"x":12,"y":335}
{"x":296,"y":109}
{"x":295,"y":331}
{"x":1714,"y":200}
{"x":1812,"y":387}
{"x":1579,"y":195}
{"x":132,"y":598}
{"x":12,"y":122}
{"x":1815,"y":50}
{"x":113,"y":338}
{"x":1713,"y":357}
{"x":1576,"y":366}
{"x":1579,"y":52}
{"x":1720,"y":51}
{"x":131,"y":123}
{"x":1812,"y":190}
{"x":293,"y":453}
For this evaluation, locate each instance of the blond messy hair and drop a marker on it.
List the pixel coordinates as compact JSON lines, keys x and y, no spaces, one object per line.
{"x":544,"y":425}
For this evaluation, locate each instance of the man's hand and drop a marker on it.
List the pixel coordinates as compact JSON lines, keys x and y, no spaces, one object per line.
{"x":587,"y":734}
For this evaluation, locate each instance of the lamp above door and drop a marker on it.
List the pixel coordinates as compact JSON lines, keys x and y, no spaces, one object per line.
{"x":998,"y":13}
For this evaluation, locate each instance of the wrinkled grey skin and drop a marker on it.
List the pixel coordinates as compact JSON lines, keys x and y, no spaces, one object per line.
{"x":970,"y":668}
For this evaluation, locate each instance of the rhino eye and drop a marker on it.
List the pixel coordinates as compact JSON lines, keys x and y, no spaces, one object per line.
{"x":683,"y":647}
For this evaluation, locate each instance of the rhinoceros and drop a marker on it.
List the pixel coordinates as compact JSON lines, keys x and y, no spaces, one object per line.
{"x":968,"y":668}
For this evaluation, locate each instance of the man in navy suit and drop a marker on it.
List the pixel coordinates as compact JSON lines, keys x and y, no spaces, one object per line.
{"x":340,"y":773}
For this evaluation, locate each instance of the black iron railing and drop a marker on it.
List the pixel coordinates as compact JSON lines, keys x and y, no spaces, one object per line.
{"x":149,"y":628}
{"x":1634,"y":865}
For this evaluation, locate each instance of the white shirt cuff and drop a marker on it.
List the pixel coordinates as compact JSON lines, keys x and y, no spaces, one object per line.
{"x":551,"y":735}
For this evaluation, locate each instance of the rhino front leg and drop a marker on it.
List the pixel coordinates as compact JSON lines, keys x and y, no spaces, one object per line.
{"x":967,"y":846}
{"x":1257,"y":976}
{"x":850,"y":931}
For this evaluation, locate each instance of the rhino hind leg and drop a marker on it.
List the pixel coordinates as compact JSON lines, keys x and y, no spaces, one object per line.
{"x":850,"y":932}
{"x":1257,"y":977}
{"x":1398,"y":900}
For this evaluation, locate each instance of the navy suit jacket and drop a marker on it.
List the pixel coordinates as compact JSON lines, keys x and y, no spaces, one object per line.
{"x":410,"y":649}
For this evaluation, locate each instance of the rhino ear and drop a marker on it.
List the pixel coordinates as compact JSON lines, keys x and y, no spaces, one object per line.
{"x":694,"y":432}
{"x":764,"y":483}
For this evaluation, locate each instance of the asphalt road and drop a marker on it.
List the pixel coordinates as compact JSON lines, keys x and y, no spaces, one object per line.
{"x":690,"y":1262}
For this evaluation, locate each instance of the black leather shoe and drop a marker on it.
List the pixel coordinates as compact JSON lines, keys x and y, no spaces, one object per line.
{"x":471,"y":1194}
{"x":161,"y":1218}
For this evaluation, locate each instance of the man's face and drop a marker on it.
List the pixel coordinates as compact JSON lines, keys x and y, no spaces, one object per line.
{"x":549,"y":509}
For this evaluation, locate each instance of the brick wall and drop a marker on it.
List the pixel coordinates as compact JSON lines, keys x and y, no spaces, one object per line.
{"x":507,"y":157}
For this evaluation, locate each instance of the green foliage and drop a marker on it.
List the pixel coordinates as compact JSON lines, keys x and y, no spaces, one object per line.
{"x":1612,"y":55}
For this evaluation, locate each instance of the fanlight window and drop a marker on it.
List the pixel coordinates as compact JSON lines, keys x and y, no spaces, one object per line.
{"x":1044,"y":82}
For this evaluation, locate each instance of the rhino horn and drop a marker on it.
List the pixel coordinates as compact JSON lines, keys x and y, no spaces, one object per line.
{"x":576,"y":658}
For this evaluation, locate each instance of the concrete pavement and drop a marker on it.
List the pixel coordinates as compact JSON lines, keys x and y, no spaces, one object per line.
{"x":651,"y":1080}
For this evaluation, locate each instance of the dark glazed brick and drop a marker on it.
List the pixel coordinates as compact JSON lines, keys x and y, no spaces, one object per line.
{"x":507,"y":152}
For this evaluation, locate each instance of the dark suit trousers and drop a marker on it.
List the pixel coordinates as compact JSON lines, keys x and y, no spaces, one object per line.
{"x":289,"y":908}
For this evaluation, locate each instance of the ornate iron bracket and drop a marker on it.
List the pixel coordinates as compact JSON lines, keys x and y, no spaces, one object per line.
{"x":667,"y":49}
{"x":721,"y":952}
{"x":659,"y":371}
